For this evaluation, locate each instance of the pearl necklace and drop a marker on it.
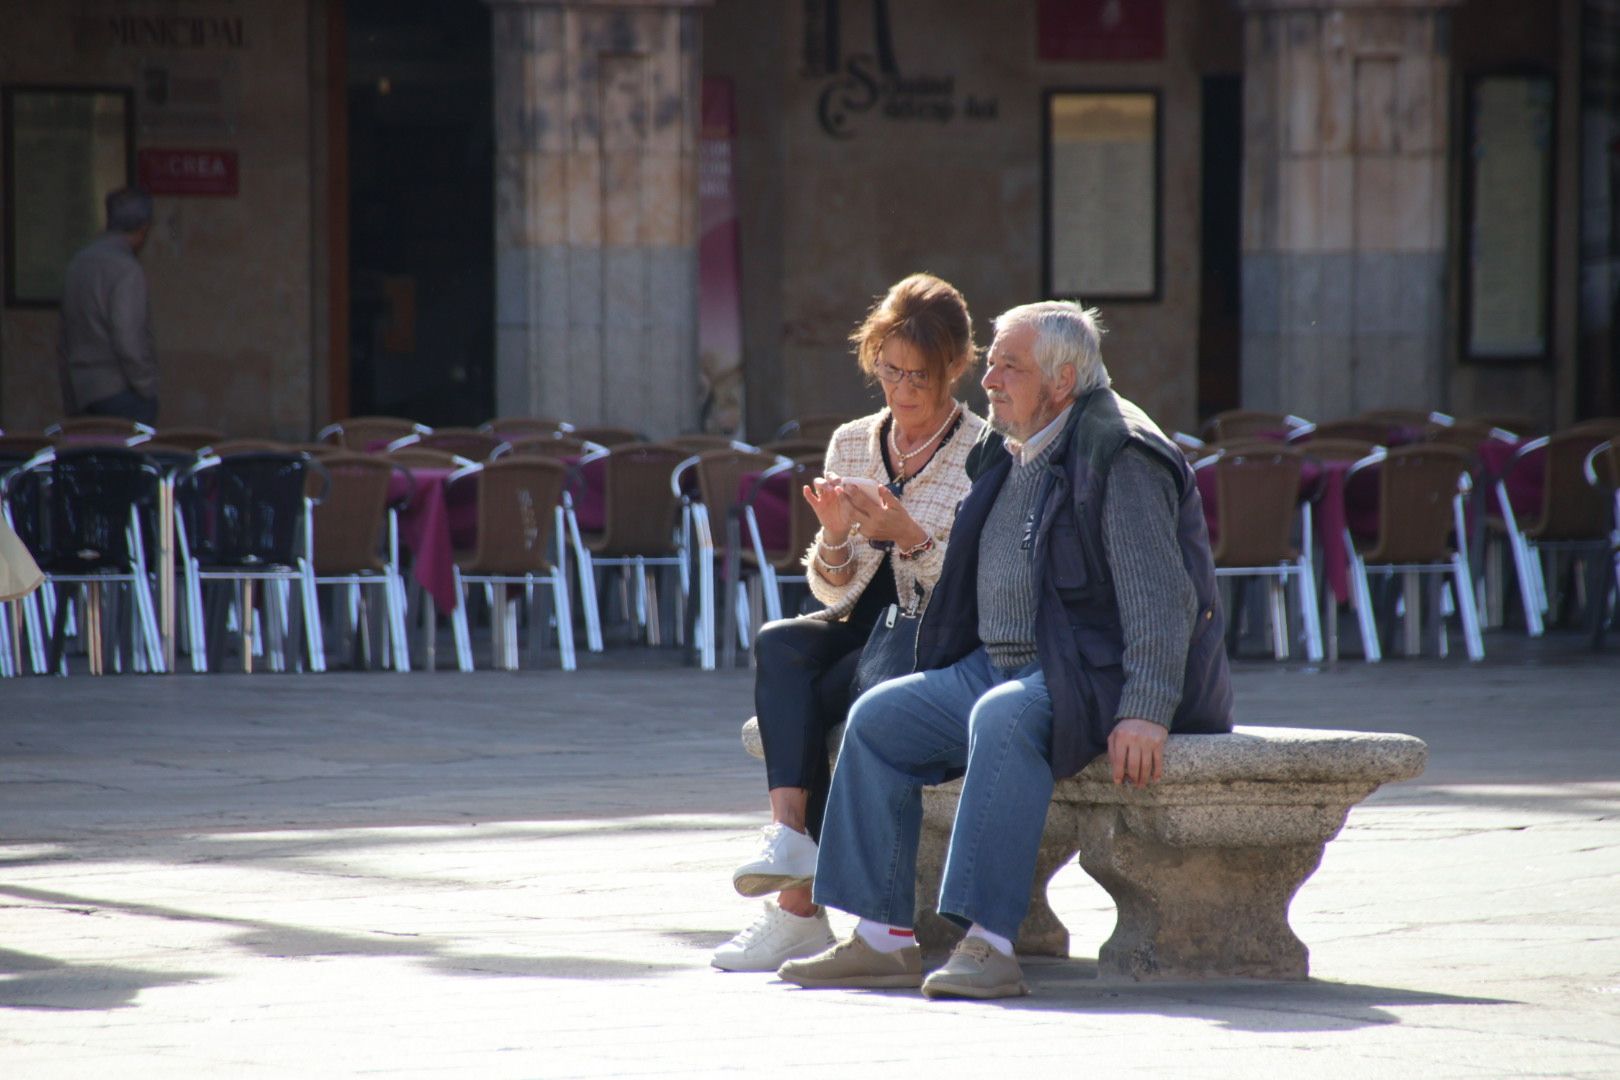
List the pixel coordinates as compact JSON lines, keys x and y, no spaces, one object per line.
{"x":894,"y":443}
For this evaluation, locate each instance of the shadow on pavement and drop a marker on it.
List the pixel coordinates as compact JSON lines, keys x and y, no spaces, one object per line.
{"x":1311,"y":1005}
{"x":28,"y":981}
{"x":98,"y":986}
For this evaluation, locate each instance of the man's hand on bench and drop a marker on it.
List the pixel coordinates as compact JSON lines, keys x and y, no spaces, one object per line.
{"x":1136,"y":751}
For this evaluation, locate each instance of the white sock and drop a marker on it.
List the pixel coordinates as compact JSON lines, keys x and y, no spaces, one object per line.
{"x":1001,"y":944}
{"x":883,"y":937}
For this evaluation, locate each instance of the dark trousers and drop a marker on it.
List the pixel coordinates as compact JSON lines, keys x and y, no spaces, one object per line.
{"x":127,"y":404}
{"x":804,"y":669}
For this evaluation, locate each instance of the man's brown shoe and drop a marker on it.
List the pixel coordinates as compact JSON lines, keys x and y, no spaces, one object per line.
{"x":854,"y":964}
{"x":976,"y":969}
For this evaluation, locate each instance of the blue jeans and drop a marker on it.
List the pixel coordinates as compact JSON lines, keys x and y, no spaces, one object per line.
{"x":914,"y":731}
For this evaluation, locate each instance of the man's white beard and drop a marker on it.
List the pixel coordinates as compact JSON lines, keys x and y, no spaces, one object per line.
{"x":1042,"y":416}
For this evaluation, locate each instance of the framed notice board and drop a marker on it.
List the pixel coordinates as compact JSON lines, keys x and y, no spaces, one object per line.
{"x":1102,"y":194}
{"x":1508,"y":218}
{"x":66,"y":148}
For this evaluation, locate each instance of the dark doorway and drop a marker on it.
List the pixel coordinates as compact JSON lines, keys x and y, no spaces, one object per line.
{"x":1598,"y":388}
{"x":1220,"y":307}
{"x":421,"y":210}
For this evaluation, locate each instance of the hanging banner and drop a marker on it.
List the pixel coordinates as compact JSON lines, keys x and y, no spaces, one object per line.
{"x":720,"y":361}
{"x":1100,"y":30}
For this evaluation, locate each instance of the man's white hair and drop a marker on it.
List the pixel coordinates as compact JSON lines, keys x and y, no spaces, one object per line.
{"x":1065,"y":334}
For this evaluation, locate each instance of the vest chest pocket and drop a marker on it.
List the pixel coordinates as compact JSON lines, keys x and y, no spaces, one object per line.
{"x":1066,"y":559}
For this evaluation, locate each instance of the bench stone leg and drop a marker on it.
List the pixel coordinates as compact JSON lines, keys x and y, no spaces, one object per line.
{"x":1041,"y":933}
{"x":1194,"y":912}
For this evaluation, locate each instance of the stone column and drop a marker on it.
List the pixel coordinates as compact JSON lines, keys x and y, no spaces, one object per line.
{"x":596,"y":128}
{"x":1345,"y":207}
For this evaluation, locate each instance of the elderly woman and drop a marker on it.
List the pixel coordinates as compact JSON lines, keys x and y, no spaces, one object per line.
{"x":890,"y":490}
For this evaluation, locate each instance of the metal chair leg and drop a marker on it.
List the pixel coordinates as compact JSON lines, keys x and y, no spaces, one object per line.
{"x":1466,"y":608}
{"x":458,"y":622}
{"x":1309,"y":614}
{"x":1279,"y":617}
{"x":397,"y":639}
{"x":1365,"y":615}
{"x":1532,"y":593}
{"x":565,"y":622}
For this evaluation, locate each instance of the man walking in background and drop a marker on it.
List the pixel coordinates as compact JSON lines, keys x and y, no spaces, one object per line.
{"x":104,"y":349}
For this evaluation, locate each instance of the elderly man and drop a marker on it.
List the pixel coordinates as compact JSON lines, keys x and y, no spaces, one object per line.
{"x":104,"y":349}
{"x":1076,"y":614}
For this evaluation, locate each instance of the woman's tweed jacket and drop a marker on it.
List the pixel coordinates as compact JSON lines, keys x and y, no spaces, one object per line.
{"x":931,"y":498}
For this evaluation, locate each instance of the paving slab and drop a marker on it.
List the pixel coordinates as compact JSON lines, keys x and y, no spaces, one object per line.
{"x":522,"y":875}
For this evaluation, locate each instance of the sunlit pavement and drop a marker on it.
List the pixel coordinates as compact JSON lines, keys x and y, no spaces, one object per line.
{"x":500,"y":875}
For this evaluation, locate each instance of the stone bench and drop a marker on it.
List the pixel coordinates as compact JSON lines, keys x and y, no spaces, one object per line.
{"x":1202,"y":865}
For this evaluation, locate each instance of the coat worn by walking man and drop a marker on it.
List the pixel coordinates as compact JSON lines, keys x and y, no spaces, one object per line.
{"x":105,"y":356}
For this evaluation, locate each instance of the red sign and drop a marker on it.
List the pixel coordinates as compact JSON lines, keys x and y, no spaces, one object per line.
{"x":188,"y":172}
{"x":1101,"y":29}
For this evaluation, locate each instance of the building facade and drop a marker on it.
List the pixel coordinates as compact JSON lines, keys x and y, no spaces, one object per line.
{"x":454,"y":209}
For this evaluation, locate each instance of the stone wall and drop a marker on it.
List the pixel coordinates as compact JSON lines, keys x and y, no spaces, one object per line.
{"x":596,"y":198}
{"x":230,"y":276}
{"x":943,"y":174}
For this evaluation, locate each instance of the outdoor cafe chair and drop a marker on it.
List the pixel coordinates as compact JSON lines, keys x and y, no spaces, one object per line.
{"x":1257,"y":505}
{"x":16,"y":449}
{"x":426,"y":457}
{"x":519,"y":515}
{"x":85,"y":513}
{"x":1406,"y":417}
{"x":365,"y":433}
{"x":192,"y":438}
{"x":1338,"y":449}
{"x":517,"y":427}
{"x":698,"y":442}
{"x":815,"y":428}
{"x":1573,"y":517}
{"x":247,"y":519}
{"x":355,"y":544}
{"x":227,"y":447}
{"x":470,"y":443}
{"x":1421,"y":530}
{"x":579,"y":455}
{"x":798,"y":450}
{"x":547,"y":446}
{"x":1380,"y":432}
{"x":640,"y":534}
{"x":779,"y":564}
{"x":1465,"y":434}
{"x":1514,"y":423}
{"x":1239,"y":423}
{"x":718,"y":475}
{"x":608,"y":436}
{"x":71,"y":428}
{"x":1603,"y":589}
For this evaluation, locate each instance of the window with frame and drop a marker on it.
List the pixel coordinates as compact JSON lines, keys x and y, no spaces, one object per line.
{"x":66,"y":148}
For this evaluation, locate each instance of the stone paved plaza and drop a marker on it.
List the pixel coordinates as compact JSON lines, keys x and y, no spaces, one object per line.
{"x":522,"y":875}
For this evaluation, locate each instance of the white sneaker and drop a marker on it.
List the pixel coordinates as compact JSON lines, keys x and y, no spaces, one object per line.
{"x":786,"y":860}
{"x":775,"y":938}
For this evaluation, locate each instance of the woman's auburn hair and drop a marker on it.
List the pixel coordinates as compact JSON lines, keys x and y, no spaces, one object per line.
{"x":927,"y":313}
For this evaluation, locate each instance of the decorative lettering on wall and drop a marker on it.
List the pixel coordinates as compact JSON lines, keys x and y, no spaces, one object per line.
{"x":160,"y":31}
{"x":872,"y":82}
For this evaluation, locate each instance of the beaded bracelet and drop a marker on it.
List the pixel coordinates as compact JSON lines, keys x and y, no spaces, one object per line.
{"x":849,"y":542}
{"x":834,"y":567}
{"x":912,"y":552}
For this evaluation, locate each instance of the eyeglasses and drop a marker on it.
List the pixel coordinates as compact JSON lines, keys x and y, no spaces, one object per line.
{"x":892,"y":375}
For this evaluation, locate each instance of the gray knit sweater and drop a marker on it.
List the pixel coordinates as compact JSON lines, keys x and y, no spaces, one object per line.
{"x":1157,"y":604}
